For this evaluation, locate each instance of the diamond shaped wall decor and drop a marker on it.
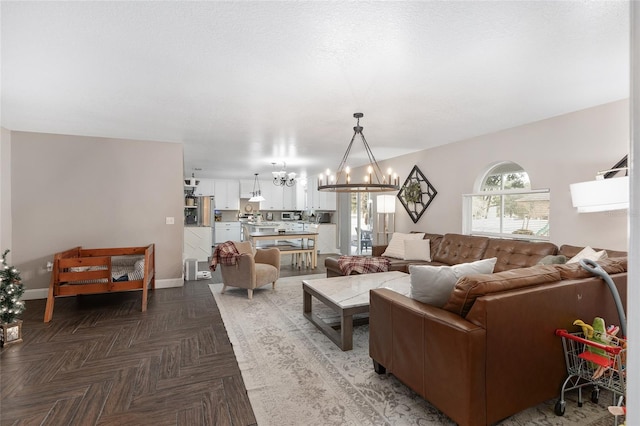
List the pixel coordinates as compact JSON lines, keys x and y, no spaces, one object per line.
{"x":416,"y":194}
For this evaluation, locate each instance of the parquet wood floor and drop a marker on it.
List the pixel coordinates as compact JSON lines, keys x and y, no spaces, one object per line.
{"x":101,"y":361}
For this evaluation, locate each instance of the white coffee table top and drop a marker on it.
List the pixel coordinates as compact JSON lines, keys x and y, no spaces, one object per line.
{"x":353,"y":290}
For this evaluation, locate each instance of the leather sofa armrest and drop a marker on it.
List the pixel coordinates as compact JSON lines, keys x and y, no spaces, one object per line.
{"x":438,"y":354}
{"x":378,"y":250}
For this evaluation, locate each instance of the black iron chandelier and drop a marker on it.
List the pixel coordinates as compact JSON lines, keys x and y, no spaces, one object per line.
{"x":373,"y":181}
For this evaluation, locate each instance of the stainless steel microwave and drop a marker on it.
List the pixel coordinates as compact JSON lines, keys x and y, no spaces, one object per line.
{"x":286,"y":216}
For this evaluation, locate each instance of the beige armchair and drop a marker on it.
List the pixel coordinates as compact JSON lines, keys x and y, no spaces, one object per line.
{"x":252,"y":270}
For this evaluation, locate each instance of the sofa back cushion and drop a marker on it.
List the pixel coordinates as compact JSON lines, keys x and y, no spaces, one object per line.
{"x":433,"y":284}
{"x":395,"y":248}
{"x":470,"y":287}
{"x":612,"y":265}
{"x":513,"y":254}
{"x":571,"y":251}
{"x":457,"y":248}
{"x":434,"y":241}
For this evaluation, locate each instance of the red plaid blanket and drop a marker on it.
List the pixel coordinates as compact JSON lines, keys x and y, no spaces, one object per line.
{"x":225,"y":254}
{"x":362,"y":264}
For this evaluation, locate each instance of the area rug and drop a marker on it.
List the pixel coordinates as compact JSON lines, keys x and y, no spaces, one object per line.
{"x":295,"y":375}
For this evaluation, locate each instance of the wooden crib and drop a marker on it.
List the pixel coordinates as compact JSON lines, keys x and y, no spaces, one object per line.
{"x":90,"y":271}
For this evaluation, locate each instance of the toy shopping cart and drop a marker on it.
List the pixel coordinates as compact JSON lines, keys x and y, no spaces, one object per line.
{"x":590,"y":363}
{"x":594,"y":364}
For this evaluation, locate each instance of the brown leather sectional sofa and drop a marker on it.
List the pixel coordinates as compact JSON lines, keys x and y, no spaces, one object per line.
{"x":452,"y":249}
{"x":491,"y":351}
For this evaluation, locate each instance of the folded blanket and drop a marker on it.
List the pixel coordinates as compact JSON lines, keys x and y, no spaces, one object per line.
{"x":362,"y":264}
{"x":225,"y":254}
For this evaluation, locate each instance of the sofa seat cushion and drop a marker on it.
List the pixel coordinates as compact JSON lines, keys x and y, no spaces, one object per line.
{"x":266,"y":274}
{"x":470,"y":287}
{"x":612,"y":265}
{"x":514,"y":254}
{"x":456,"y":248}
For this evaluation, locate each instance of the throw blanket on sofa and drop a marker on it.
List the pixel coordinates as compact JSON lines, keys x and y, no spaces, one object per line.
{"x":225,"y":254}
{"x":362,"y":264}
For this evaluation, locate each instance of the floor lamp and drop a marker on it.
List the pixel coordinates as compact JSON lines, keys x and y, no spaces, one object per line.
{"x":386,"y":205}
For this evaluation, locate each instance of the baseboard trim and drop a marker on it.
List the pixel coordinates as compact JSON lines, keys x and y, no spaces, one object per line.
{"x":41,"y":293}
{"x":36,"y":293}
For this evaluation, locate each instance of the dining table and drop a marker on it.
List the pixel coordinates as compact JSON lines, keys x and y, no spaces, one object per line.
{"x":307,"y":247}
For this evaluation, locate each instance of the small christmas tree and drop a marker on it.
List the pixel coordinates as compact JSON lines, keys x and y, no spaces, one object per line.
{"x":11,"y":290}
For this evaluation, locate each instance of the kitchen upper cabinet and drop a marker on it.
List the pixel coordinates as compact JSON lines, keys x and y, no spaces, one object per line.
{"x":319,"y":200}
{"x":246,"y":188}
{"x":227,"y":193}
{"x":204,"y":189}
{"x":301,"y":196}
{"x":289,"y":198}
{"x":273,"y":196}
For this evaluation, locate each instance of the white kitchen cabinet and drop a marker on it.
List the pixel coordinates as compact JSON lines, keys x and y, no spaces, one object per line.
{"x":273,"y":196}
{"x":205,"y":188}
{"x":246,"y":188}
{"x":227,"y":193}
{"x":301,"y":196}
{"x":197,"y":243}
{"x":319,"y":200}
{"x":226,"y":231}
{"x":289,"y":198}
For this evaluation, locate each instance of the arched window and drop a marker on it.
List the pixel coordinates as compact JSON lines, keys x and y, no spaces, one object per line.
{"x":505,"y":205}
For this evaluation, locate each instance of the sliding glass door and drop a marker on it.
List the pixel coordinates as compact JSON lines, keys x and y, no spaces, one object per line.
{"x":361,"y":226}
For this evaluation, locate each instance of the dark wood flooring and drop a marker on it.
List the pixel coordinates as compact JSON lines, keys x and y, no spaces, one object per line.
{"x":101,"y":361}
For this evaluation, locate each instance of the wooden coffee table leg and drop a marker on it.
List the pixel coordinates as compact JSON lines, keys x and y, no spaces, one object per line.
{"x":346,"y":332}
{"x":306,"y":302}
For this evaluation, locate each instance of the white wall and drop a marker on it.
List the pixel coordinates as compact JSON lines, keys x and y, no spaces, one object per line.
{"x":72,"y":191}
{"x":555,"y":152}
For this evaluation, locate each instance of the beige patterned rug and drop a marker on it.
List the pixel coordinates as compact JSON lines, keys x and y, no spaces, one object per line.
{"x":295,"y":375}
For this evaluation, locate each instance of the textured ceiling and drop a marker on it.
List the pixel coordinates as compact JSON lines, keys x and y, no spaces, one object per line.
{"x":245,"y":84}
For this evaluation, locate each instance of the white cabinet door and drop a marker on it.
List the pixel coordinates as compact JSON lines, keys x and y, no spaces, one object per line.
{"x":289,"y":198}
{"x":320,"y":200}
{"x":227,"y":231}
{"x":301,"y":196}
{"x":246,"y":188}
{"x":273,"y":196}
{"x":205,"y":188}
{"x":227,"y":193}
{"x":197,"y":243}
{"x":327,"y":200}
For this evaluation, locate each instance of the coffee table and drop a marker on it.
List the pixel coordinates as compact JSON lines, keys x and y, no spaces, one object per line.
{"x":348,"y":296}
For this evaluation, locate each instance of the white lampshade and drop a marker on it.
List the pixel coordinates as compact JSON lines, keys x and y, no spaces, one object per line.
{"x":601,"y":195}
{"x":386,"y":204}
{"x":256,"y":199}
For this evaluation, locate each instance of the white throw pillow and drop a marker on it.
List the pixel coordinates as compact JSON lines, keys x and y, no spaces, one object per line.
{"x":417,"y":250}
{"x":434,"y":284}
{"x":588,"y":253}
{"x":396,"y":245}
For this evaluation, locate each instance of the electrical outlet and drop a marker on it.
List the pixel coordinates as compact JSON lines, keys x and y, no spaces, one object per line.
{"x":170,"y":220}
{"x":49,"y":266}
